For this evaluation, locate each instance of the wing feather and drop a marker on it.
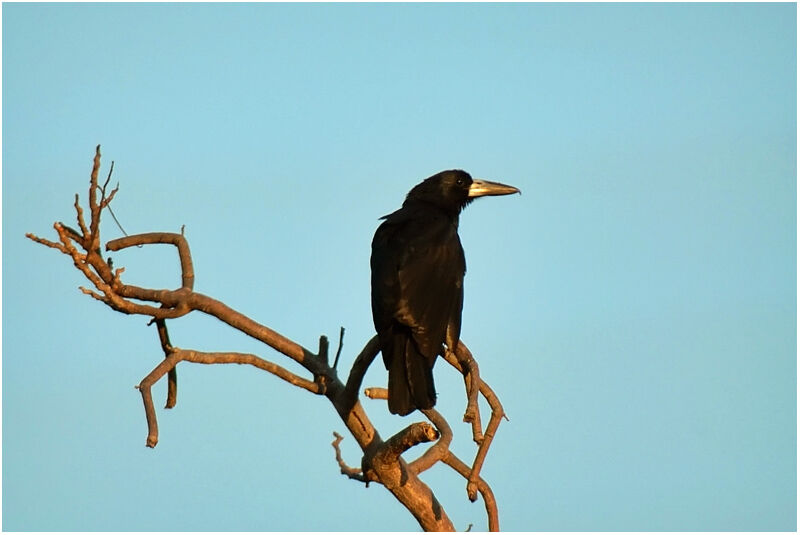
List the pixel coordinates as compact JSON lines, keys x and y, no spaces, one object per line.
{"x":417,"y":277}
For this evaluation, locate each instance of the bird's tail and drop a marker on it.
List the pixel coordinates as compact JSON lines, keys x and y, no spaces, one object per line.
{"x":410,"y":377}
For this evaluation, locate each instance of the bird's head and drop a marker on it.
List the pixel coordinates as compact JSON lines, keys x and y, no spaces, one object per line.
{"x":454,"y":189}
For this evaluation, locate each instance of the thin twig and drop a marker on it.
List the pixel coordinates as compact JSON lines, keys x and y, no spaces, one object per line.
{"x":81,"y":221}
{"x":47,"y":243}
{"x":352,"y":473}
{"x":93,"y":241}
{"x":119,"y":225}
{"x":339,"y":349}
{"x":172,"y":374}
{"x":108,"y":179}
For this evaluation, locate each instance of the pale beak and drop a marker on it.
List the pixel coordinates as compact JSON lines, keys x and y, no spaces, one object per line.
{"x":480,"y":188}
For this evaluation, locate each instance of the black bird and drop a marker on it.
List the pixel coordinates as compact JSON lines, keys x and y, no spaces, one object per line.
{"x":418,"y":271}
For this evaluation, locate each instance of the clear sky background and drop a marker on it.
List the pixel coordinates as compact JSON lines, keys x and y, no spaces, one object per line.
{"x":635,"y":308}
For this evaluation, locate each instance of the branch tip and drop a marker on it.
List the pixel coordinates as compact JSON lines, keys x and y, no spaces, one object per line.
{"x":376,"y":392}
{"x":339,"y":349}
{"x":322,"y":353}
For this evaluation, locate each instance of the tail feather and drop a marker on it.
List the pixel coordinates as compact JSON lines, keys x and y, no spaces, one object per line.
{"x":410,"y":377}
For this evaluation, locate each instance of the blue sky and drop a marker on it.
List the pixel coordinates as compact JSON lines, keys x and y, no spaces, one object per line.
{"x":635,"y":308}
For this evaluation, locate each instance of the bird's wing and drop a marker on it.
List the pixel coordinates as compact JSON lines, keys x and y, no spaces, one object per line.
{"x":417,"y":277}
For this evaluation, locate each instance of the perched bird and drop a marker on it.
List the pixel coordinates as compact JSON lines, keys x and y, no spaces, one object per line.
{"x":418,"y":271}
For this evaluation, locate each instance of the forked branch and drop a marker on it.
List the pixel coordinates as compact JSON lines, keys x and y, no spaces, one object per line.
{"x":382,"y":461}
{"x":440,"y":452}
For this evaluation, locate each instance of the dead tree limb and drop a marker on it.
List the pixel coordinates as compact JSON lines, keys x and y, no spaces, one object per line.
{"x":352,"y":473}
{"x":172,"y":375}
{"x":382,"y":461}
{"x":441,"y":452}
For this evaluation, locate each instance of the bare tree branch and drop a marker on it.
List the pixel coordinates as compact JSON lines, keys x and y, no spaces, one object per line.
{"x":81,"y":221}
{"x":187,"y":270}
{"x":382,"y":461}
{"x":339,"y":349}
{"x":352,"y":473}
{"x":47,"y":243}
{"x":438,"y":451}
{"x":409,"y":437}
{"x":469,"y":369}
{"x":488,"y":496}
{"x":172,"y":374}
{"x":357,"y":371}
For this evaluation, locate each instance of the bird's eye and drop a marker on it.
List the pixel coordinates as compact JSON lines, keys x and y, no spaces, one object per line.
{"x":460,"y":181}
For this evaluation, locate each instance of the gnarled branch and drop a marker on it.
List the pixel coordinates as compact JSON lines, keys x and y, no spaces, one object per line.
{"x":352,"y":473}
{"x":382,"y":461}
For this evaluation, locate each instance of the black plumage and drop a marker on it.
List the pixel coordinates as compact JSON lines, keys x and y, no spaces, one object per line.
{"x":418,"y":269}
